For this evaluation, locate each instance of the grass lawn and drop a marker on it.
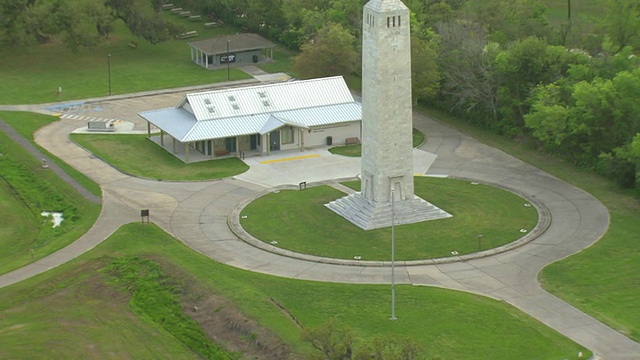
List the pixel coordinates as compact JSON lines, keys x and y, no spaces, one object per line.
{"x":557,"y":9}
{"x":89,"y":315}
{"x":26,"y":190}
{"x":26,"y":125}
{"x":299,"y":221}
{"x":356,"y":150}
{"x":603,"y":280}
{"x":138,"y":156}
{"x":33,"y":74}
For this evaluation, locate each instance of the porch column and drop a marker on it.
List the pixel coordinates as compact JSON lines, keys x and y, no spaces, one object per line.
{"x":206,"y":61}
{"x":148,"y":129}
{"x":268,"y":143}
{"x":237,"y":146}
{"x":162,"y":138}
{"x":186,"y":153}
{"x":192,"y":54}
{"x":173,"y":147}
{"x":301,"y":138}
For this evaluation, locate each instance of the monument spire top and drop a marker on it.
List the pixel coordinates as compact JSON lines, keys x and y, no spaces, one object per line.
{"x":386,"y":5}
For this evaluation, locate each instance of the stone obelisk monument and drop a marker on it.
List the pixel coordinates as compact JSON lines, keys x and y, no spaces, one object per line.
{"x":387,"y":150}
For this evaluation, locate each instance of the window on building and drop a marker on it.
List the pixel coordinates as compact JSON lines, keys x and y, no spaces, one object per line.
{"x":286,"y":135}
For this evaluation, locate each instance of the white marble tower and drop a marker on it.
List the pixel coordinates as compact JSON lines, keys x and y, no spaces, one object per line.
{"x":387,"y":150}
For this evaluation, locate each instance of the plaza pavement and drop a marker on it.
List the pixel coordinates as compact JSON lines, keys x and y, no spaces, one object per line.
{"x":197,"y":213}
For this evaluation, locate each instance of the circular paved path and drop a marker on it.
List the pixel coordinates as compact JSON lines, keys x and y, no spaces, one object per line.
{"x":196,"y":213}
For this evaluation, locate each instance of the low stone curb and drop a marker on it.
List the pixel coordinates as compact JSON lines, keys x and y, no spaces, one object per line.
{"x":233,"y":221}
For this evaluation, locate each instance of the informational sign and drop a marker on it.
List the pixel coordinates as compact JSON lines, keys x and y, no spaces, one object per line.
{"x":230,"y":58}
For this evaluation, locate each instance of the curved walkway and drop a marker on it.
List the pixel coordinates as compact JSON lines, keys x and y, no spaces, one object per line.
{"x":196,"y":213}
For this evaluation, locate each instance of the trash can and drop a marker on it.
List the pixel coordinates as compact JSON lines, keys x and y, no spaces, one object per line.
{"x":329,"y":140}
{"x":255,"y":58}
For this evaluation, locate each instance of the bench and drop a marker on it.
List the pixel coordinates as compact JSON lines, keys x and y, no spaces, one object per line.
{"x":222,"y":152}
{"x":167,"y":6}
{"x":185,"y":13}
{"x":133,"y":44}
{"x":176,"y":10}
{"x":195,"y":17}
{"x":351,"y":141}
{"x":188,"y":34}
{"x":211,"y":24}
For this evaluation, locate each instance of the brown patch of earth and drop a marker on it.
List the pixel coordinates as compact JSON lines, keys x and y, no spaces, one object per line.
{"x":225,"y":324}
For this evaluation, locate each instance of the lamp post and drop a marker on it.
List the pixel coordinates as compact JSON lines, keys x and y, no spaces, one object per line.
{"x":228,"y":61}
{"x":109,"y":71}
{"x":393,"y":250}
{"x":480,"y":241}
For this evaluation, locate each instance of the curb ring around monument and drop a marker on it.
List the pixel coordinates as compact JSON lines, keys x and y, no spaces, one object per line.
{"x":233,"y":221}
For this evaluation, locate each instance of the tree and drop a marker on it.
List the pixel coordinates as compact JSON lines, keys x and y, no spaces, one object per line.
{"x":425,"y":77}
{"x":465,"y":62}
{"x":621,"y":22}
{"x":144,"y":20}
{"x":508,"y":20}
{"x":333,"y":341}
{"x":20,"y":22}
{"x":332,"y":52}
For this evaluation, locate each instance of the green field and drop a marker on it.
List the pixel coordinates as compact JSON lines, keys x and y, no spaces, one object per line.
{"x":89,"y":314}
{"x":418,"y":138}
{"x":33,"y":74}
{"x":558,"y":9}
{"x":299,"y":221}
{"x":151,"y":161}
{"x":26,"y":190}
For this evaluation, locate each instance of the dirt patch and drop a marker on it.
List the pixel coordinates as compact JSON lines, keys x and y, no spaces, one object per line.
{"x":227,"y":326}
{"x":223,"y":323}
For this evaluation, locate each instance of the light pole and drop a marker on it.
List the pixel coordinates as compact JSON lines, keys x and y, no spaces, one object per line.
{"x":393,"y":250}
{"x":480,"y":241}
{"x":109,"y":71}
{"x":228,"y":61}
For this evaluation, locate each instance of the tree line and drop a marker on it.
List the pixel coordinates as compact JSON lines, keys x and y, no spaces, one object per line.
{"x":571,"y":89}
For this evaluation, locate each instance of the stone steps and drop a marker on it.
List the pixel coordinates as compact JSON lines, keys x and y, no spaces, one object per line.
{"x":369,"y":215}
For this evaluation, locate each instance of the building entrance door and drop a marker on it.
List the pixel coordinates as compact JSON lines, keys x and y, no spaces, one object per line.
{"x":275,"y":140}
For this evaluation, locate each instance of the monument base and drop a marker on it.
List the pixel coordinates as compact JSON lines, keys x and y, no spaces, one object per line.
{"x":369,"y":215}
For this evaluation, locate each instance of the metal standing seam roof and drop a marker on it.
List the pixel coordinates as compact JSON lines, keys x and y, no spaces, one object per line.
{"x":237,"y":42}
{"x":269,"y":98}
{"x":326,"y":108}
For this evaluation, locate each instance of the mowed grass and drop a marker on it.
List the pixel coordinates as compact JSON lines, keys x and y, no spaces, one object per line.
{"x":138,"y":156}
{"x":558,"y":10}
{"x":26,"y":190}
{"x":26,"y":124}
{"x":74,"y":311}
{"x":299,"y":221}
{"x":418,"y":139}
{"x":33,"y":74}
{"x":604,"y":279}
